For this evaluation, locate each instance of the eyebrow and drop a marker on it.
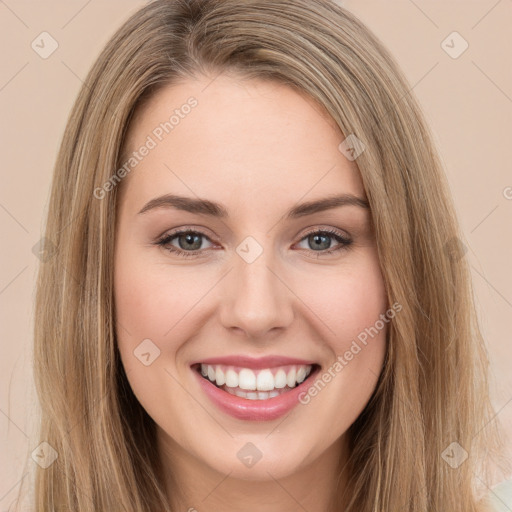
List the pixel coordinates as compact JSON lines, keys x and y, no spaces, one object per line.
{"x":213,"y":209}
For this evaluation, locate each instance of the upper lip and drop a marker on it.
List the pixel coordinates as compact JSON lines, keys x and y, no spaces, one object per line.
{"x":256,"y":363}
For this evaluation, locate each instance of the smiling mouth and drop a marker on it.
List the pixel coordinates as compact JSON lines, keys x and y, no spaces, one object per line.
{"x":252,"y":384}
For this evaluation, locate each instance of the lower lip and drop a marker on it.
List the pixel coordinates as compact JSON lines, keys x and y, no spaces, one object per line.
{"x":254,"y":410}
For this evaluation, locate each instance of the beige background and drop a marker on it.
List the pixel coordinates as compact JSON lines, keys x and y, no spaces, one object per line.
{"x":467,"y":100}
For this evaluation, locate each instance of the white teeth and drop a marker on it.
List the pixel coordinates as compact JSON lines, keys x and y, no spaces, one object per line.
{"x":219,"y":376}
{"x":265,"y":381}
{"x":290,"y":378}
{"x":280,"y":379}
{"x":231,"y":378}
{"x":301,"y":374}
{"x":261,"y":381}
{"x":253,"y":395}
{"x":246,"y":379}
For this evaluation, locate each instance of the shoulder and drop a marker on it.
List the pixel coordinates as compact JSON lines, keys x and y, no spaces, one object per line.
{"x":500,"y":496}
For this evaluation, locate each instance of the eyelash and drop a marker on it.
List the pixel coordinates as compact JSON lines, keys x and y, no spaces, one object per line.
{"x":166,"y":239}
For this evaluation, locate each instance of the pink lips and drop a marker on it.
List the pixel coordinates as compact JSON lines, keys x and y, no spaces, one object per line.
{"x":254,"y":410}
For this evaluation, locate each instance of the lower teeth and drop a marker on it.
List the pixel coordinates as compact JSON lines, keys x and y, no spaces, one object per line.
{"x":251,"y":395}
{"x":254,"y":395}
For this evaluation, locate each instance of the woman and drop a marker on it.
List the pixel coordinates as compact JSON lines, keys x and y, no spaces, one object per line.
{"x":192,"y":351}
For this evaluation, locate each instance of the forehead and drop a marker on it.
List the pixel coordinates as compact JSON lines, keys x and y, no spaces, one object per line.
{"x":242,"y":141}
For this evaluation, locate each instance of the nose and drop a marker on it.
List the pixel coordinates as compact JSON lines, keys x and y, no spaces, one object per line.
{"x":256,"y":299}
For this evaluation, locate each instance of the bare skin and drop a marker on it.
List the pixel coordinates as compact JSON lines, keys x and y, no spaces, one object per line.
{"x":259,"y":149}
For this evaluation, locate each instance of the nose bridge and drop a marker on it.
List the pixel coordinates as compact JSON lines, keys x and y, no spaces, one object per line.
{"x":256,"y":300}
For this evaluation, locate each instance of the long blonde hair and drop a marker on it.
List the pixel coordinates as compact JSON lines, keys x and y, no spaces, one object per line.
{"x":433,"y":390}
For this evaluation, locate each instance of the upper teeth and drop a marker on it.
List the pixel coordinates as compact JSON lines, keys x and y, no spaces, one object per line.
{"x":262,"y":380}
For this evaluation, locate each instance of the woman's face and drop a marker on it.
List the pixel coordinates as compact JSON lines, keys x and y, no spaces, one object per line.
{"x":265,"y":289}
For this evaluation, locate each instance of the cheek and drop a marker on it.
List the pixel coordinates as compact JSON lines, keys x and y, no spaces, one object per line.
{"x":360,"y":303}
{"x":150,"y":299}
{"x":362,"y":340}
{"x":347,"y":301}
{"x":351,"y":308}
{"x":151,"y":306}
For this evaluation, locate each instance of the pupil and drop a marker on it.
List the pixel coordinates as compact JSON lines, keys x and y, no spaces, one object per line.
{"x":190,"y":240}
{"x":316,"y":239}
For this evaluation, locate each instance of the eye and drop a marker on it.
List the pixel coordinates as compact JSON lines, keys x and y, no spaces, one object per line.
{"x":321,"y":239}
{"x":190,"y":242}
